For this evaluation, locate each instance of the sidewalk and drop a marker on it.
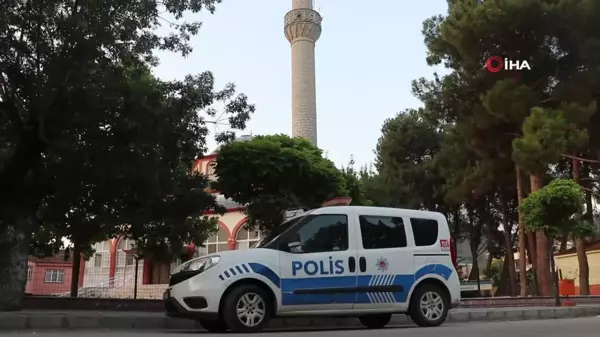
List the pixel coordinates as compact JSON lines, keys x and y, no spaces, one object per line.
{"x":129,"y":320}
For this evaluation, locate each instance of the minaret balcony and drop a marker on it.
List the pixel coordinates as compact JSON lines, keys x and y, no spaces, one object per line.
{"x":304,"y":15}
{"x":303,"y":23}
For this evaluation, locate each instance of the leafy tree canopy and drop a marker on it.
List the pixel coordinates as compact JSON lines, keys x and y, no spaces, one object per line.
{"x":270,"y":174}
{"x":134,"y":170}
{"x":91,"y":144}
{"x":550,"y":133}
{"x":405,"y":161}
{"x":553,"y":208}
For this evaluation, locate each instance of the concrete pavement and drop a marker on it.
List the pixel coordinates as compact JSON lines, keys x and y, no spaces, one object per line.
{"x":128,"y":320}
{"x":579,"y":327}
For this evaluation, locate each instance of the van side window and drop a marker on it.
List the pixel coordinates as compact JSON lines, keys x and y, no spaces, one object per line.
{"x":380,"y":232}
{"x":425,"y":231}
{"x":321,"y":233}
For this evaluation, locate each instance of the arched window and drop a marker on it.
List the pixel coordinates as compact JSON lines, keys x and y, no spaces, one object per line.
{"x":97,"y":269}
{"x":125,"y":271}
{"x":246,"y":238}
{"x":124,"y":259}
{"x":217,"y":242}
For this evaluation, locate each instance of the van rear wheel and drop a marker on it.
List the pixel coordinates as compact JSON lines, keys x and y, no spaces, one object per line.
{"x":375,"y":321}
{"x":247,"y":308}
{"x":429,"y":305}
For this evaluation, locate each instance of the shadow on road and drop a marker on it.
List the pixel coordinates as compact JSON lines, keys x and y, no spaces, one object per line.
{"x":308,"y":329}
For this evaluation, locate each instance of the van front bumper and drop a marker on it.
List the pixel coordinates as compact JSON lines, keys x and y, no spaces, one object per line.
{"x":174,"y":309}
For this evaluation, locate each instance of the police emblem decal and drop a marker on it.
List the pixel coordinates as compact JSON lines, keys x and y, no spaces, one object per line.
{"x":382,"y":264}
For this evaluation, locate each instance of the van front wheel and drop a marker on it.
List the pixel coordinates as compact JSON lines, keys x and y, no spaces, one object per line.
{"x":375,"y":321}
{"x":247,"y":309}
{"x":429,"y":305}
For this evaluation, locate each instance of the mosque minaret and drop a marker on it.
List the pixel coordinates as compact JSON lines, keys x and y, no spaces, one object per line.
{"x":303,"y":29}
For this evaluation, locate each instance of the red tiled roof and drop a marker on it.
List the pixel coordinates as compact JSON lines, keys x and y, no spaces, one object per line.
{"x":594,"y":245}
{"x":61,"y":257}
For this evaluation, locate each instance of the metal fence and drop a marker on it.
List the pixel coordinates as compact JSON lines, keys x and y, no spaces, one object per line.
{"x":55,"y":281}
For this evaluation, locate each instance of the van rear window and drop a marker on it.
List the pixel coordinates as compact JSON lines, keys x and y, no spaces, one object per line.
{"x":425,"y":231}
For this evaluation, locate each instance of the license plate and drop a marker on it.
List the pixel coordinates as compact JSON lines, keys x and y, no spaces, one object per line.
{"x":166,"y":294}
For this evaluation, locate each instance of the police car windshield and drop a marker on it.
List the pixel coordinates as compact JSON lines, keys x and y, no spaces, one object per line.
{"x":278,"y":231}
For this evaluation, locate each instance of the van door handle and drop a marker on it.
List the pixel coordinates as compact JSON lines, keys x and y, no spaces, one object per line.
{"x":362,"y":264}
{"x":352,"y":264}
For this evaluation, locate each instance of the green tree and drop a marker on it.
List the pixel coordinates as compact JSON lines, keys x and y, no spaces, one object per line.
{"x":270,"y":174}
{"x":405,"y":156}
{"x":491,"y":116}
{"x":89,"y":139}
{"x":554,"y":207}
{"x":548,"y":134}
{"x":356,"y":184}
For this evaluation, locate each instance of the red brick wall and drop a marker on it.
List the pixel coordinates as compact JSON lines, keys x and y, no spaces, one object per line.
{"x":37,"y":285}
{"x":594,"y":289}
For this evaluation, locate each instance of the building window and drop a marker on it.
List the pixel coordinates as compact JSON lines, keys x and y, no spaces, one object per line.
{"x":217,"y":242}
{"x":246,"y":238}
{"x":123,"y":258}
{"x":54,"y":276}
{"x":29,"y":272}
{"x":97,"y":260}
{"x":97,"y":268}
{"x":211,"y":168}
{"x":129,"y":260}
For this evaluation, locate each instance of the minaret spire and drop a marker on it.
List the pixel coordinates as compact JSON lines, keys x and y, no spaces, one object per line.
{"x":303,"y":29}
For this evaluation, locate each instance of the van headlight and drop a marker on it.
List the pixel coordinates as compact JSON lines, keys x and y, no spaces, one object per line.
{"x":201,"y":264}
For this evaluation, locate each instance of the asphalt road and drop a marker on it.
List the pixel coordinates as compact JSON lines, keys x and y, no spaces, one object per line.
{"x":576,"y":327}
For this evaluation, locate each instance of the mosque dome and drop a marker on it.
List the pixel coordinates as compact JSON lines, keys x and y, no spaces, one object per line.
{"x":242,"y":138}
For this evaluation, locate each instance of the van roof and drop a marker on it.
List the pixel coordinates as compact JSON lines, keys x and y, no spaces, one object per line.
{"x":324,"y":210}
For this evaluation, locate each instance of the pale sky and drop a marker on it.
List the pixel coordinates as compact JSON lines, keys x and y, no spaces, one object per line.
{"x":366,"y":58}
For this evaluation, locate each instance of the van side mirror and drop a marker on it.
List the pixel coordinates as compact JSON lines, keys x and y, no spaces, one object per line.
{"x":294,"y":244}
{"x":291,"y":244}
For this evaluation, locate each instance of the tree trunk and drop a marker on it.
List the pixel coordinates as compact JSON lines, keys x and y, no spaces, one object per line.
{"x":532,"y":250}
{"x":542,"y":243}
{"x":75,"y":269}
{"x":584,"y":268}
{"x":510,"y":258}
{"x":28,"y":152}
{"x":589,"y":213}
{"x":501,"y":287}
{"x":474,"y":241}
{"x":474,"y":274}
{"x":14,"y":245}
{"x":457,"y":227}
{"x":522,"y":237}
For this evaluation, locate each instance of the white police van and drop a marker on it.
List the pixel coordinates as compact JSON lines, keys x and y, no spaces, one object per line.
{"x":366,"y":262}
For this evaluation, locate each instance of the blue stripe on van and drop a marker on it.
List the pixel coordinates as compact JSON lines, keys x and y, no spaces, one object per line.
{"x":288,"y":285}
{"x":406,"y":281}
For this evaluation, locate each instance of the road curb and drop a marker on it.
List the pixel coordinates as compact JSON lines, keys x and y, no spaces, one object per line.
{"x":40,"y":320}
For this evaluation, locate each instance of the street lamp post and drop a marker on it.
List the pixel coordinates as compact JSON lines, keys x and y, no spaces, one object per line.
{"x":136,"y":257}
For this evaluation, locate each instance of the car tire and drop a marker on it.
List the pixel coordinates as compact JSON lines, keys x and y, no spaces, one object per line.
{"x":257,"y":309}
{"x":375,"y":321}
{"x":429,"y":305}
{"x":217,"y":326}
